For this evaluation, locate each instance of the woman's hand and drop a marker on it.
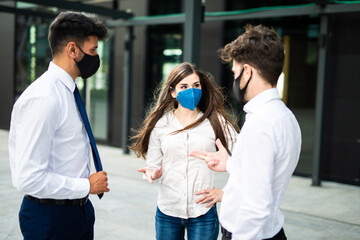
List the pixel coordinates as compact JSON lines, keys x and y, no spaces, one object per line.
{"x":151,"y":173}
{"x":211,"y":196}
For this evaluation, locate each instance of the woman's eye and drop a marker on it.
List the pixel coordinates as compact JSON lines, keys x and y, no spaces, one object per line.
{"x":183,"y":87}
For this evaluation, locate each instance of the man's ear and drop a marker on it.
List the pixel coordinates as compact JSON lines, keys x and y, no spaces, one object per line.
{"x":71,"y":49}
{"x":247,"y":71}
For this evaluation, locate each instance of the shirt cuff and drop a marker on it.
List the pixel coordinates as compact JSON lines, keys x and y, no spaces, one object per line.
{"x":145,"y":178}
{"x":81,"y":188}
{"x":229,"y":165}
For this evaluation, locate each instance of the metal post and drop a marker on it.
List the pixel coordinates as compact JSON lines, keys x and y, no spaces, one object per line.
{"x":319,"y":105}
{"x":110,"y":95}
{"x":194,"y":14}
{"x":126,"y":116}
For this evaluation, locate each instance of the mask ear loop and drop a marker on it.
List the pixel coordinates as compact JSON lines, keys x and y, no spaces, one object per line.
{"x":247,"y":81}
{"x":175,"y":92}
{"x":251,"y":75}
{"x":173,"y":89}
{"x":80,"y":49}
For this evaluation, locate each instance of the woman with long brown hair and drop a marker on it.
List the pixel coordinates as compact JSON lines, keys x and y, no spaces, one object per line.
{"x":189,"y":114}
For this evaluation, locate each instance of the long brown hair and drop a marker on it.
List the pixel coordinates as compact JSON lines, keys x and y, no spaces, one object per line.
{"x":211,"y":104}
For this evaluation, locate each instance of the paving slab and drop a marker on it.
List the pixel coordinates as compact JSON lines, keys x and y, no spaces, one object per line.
{"x":127,"y":212}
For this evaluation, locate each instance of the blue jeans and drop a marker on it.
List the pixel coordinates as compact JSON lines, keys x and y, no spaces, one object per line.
{"x":204,"y":227}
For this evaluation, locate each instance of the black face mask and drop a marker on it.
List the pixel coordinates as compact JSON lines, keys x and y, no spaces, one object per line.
{"x":88,"y":65}
{"x":240,"y":93}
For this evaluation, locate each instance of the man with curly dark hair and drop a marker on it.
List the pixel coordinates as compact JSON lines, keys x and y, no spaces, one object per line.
{"x":48,"y":146}
{"x":268,"y":146}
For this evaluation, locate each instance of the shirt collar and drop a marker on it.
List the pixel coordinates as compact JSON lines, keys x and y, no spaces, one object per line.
{"x":171,"y":113}
{"x":172,"y":118}
{"x":63,"y":76}
{"x":259,"y":100}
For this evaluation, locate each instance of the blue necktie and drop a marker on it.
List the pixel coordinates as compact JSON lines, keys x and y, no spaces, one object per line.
{"x":95,"y":153}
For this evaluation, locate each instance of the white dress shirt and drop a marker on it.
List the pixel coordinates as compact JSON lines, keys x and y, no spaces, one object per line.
{"x":48,"y":146}
{"x":182,"y":175}
{"x":264,"y":157}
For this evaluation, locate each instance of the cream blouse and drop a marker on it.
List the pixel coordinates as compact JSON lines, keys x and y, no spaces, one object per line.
{"x":182,"y":175}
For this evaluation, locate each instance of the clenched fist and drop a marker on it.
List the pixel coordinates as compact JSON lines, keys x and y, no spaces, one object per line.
{"x":98,"y":183}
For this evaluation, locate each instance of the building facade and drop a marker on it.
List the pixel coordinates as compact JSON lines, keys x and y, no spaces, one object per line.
{"x":320,"y":82}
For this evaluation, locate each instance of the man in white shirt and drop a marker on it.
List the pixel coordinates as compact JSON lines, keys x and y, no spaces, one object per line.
{"x":268,"y":146}
{"x":48,"y":145}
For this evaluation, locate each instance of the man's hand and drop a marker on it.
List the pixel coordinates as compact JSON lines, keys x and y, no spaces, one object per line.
{"x":151,"y":173}
{"x":98,"y":183}
{"x":215,"y":160}
{"x":211,"y":196}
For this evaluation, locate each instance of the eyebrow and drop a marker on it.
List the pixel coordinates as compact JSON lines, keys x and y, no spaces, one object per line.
{"x":184,"y":84}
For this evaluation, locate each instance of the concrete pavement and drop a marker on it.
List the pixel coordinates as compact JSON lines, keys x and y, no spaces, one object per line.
{"x":127,"y":211}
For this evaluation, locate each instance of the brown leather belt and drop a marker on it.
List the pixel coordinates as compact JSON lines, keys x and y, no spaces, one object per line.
{"x":59,"y":202}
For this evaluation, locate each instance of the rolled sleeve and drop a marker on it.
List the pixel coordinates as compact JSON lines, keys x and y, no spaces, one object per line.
{"x":154,"y":155}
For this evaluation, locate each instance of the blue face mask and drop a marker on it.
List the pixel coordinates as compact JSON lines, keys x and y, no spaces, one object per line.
{"x":189,"y":98}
